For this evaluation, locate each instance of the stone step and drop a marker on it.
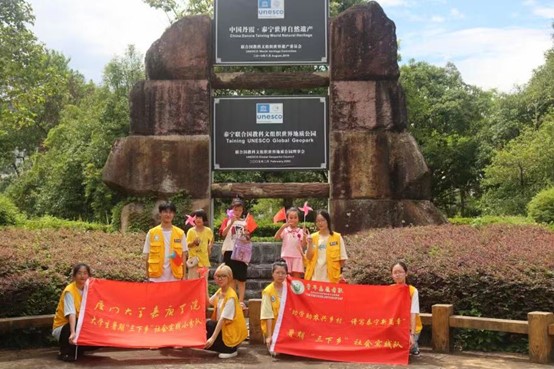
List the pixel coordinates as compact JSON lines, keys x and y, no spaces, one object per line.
{"x":255,"y":271}
{"x":262,"y":253}
{"x":259,"y":269}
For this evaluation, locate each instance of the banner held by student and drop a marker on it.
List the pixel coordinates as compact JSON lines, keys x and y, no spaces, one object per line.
{"x":143,"y":315}
{"x":340,"y":322}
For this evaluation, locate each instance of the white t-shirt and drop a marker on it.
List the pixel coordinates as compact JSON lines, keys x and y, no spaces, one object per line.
{"x":225,"y":312}
{"x":415,"y":303}
{"x":320,"y":271}
{"x":68,"y":309}
{"x":236,"y":231}
{"x":167,"y":275}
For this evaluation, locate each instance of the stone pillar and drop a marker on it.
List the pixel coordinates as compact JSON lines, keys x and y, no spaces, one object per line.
{"x":378,"y":176}
{"x":168,"y":150}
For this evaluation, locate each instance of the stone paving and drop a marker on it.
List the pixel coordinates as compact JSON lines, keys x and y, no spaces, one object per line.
{"x":249,"y":357}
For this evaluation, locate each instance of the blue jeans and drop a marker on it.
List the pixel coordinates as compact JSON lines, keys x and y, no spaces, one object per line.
{"x":415,"y":347}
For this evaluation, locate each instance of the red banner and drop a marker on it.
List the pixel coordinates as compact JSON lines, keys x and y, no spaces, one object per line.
{"x":341,"y":322}
{"x":143,"y":315}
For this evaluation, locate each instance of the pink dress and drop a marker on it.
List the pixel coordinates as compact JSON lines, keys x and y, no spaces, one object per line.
{"x":292,"y":241}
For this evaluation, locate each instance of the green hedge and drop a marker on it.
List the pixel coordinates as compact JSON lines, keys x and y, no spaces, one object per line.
{"x":495,"y":271}
{"x":541,"y":207}
{"x":9,"y":213}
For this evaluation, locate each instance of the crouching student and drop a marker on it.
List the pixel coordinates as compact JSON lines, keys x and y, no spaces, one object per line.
{"x":67,"y":313}
{"x":271,"y":300}
{"x":227,"y":327}
{"x":399,"y":275}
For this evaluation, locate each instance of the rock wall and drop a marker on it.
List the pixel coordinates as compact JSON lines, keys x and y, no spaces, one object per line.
{"x":168,"y":150}
{"x":378,"y":176}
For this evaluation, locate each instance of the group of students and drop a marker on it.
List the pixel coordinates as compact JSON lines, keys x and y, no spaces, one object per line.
{"x":319,"y":256}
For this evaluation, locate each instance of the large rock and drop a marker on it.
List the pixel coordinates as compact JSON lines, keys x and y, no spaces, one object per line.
{"x":409,"y":174}
{"x":170,"y":108}
{"x":160,"y":165}
{"x":367,"y":105}
{"x":363,"y":44}
{"x":351,"y":216}
{"x":359,"y":165}
{"x":183,"y":51}
{"x":377,"y":165}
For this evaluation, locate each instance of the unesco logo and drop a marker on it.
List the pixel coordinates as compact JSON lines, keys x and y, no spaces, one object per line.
{"x":271,"y":9}
{"x":269,"y":113}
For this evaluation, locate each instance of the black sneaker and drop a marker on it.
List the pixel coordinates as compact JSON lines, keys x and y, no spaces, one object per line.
{"x":415,"y":353}
{"x":66,"y":357}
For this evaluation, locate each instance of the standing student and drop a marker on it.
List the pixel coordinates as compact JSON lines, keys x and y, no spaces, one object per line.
{"x":294,"y":242}
{"x":200,"y":240}
{"x":227,"y":327}
{"x":236,"y":228}
{"x":271,"y":300}
{"x":67,"y":313}
{"x":399,"y":273}
{"x":326,"y":253}
{"x":165,"y":249}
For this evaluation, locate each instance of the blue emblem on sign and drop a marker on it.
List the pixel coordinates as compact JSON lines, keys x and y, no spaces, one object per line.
{"x":262,"y":108}
{"x":264,"y":3}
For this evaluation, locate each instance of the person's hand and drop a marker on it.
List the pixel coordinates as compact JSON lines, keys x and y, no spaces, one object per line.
{"x":268,"y":342}
{"x":72,"y":338}
{"x":412,"y":340}
{"x":342,"y":279}
{"x":197,"y":241}
{"x":209,"y":342}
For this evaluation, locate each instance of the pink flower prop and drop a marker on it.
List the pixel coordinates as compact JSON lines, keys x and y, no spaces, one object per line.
{"x":230,"y":213}
{"x":191,"y":220}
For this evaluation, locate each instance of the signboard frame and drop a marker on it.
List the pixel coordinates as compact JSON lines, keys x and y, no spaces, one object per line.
{"x":222,"y":57}
{"x":323,"y":133}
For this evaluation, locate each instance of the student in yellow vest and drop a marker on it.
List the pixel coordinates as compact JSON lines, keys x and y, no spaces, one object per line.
{"x":326,"y":253}
{"x":399,"y":274}
{"x":67,"y":313}
{"x":227,"y":327}
{"x":271,"y":300}
{"x":165,"y":249}
{"x":200,"y":240}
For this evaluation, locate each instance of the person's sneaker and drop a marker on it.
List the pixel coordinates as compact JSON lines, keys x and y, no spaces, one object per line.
{"x":415,"y":353}
{"x":66,"y":357}
{"x":228,"y":356}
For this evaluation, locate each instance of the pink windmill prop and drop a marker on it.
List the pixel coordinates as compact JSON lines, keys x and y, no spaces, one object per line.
{"x":306,"y":209}
{"x":191,"y":220}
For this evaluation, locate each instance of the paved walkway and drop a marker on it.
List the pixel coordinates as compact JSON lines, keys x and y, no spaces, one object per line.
{"x":254,"y":357}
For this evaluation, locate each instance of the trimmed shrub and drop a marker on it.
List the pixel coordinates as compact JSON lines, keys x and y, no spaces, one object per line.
{"x":496,"y":271}
{"x":9,"y":213}
{"x":541,"y":207}
{"x":37,"y":264}
{"x":50,"y":222}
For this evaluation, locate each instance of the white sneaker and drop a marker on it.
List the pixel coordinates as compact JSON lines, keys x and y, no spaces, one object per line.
{"x":228,"y":356}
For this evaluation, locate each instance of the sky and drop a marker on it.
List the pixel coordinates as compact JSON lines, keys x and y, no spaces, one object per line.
{"x":493,"y":43}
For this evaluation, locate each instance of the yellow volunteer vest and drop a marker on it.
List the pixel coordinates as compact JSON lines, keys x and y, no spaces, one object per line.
{"x":157,"y":250}
{"x":418,"y":324}
{"x":275,"y":303}
{"x":332,"y":254}
{"x":234,"y":331}
{"x":59,"y":318}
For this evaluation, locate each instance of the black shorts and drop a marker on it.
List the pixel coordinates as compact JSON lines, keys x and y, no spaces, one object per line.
{"x":238,"y":267}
